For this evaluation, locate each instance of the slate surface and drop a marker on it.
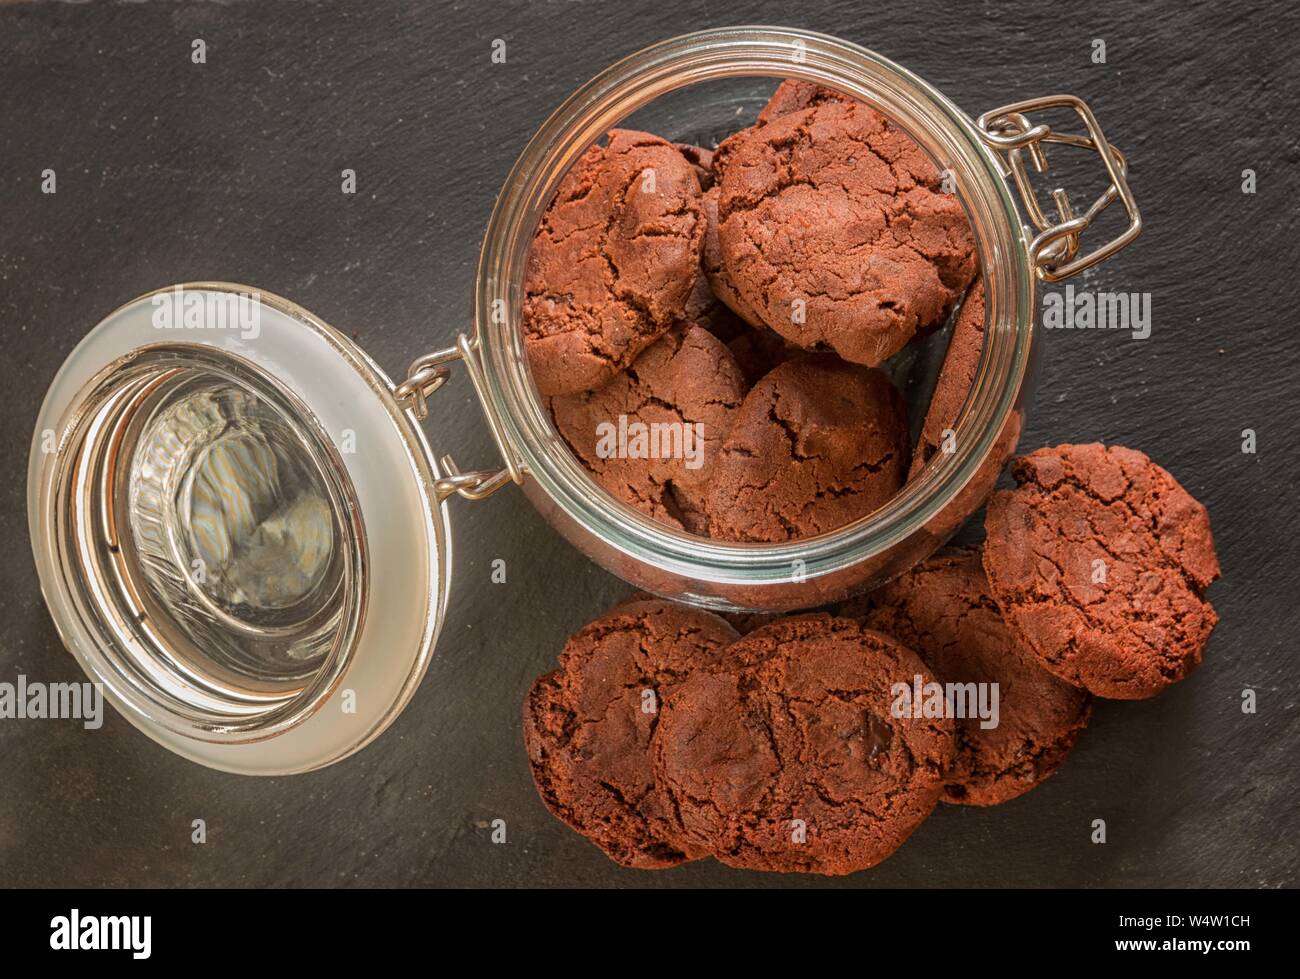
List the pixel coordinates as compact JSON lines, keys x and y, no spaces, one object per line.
{"x":169,"y":171}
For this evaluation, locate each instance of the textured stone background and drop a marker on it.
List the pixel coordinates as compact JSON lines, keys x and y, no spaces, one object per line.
{"x":170,"y":171}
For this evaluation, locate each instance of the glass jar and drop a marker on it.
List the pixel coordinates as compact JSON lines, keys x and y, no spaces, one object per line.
{"x":242,"y":532}
{"x":808,"y":572}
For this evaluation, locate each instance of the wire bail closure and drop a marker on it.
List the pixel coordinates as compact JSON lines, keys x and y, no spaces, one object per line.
{"x":1054,"y":252}
{"x":426,"y":375}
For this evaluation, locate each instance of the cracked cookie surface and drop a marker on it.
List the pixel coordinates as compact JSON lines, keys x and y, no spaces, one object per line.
{"x":587,"y":728}
{"x":1099,"y":561}
{"x":704,"y":306}
{"x":688,"y":384}
{"x":795,"y":94}
{"x":816,"y":444}
{"x":835,"y":232}
{"x":612,"y":263}
{"x":942,"y":610}
{"x":788,"y":757}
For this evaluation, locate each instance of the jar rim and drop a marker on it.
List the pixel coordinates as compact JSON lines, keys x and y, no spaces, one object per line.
{"x":933,"y":121}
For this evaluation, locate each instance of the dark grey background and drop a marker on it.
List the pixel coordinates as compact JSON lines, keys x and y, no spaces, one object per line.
{"x":170,"y":171}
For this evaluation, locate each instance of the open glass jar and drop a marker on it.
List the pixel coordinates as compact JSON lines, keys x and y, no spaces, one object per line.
{"x":242,"y":532}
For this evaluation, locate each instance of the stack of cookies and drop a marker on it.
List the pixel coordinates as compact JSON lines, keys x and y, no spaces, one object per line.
{"x":708,"y":328}
{"x":818,"y":742}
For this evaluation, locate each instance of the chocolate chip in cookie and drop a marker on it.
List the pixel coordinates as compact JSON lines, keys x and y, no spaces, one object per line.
{"x":834,"y":230}
{"x":1019,"y":722}
{"x":1099,"y":561}
{"x":613,"y":261}
{"x":789,"y":755}
{"x":588,"y":725}
{"x":653,"y":435}
{"x":817,"y":444}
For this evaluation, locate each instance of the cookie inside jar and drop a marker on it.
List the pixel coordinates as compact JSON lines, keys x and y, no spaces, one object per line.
{"x":753,"y":310}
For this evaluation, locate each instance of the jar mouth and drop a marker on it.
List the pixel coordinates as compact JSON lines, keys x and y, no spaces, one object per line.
{"x":211,"y":540}
{"x":935,"y":123}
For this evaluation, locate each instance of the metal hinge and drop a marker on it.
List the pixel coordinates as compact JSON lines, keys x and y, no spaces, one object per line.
{"x":1055,"y":251}
{"x":425,"y":376}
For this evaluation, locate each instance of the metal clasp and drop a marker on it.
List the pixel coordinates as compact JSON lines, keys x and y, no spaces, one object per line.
{"x":425,"y":376}
{"x":1054,"y":252}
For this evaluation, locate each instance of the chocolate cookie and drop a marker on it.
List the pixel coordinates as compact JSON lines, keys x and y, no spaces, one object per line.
{"x":612,"y":263}
{"x":816,"y":444}
{"x":759,"y":351}
{"x":701,"y":161}
{"x":1099,"y":561}
{"x":835,"y":232}
{"x":942,"y":610}
{"x":714,"y":269}
{"x":705,"y":309}
{"x":955,"y":378}
{"x":588,"y":725}
{"x":652,"y":436}
{"x":789,"y":756}
{"x":795,"y":94}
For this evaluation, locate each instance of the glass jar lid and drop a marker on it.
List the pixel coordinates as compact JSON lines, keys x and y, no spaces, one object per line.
{"x":238,"y":528}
